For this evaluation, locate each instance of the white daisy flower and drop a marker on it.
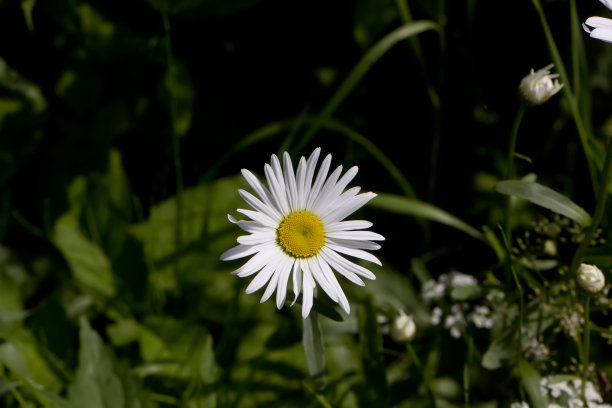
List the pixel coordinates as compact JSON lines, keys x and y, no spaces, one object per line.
{"x":600,"y":27}
{"x":296,"y":229}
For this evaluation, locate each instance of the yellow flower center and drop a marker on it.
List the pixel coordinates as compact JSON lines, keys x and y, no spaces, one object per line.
{"x":301,"y":234}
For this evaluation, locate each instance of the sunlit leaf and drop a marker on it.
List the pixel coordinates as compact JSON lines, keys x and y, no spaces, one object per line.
{"x":420,"y":209}
{"x":545,"y":197}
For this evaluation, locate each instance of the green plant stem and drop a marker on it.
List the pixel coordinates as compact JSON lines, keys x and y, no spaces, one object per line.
{"x":600,"y":208}
{"x":363,"y":66}
{"x":417,"y":362}
{"x":511,"y":170}
{"x":593,"y":161}
{"x":586,"y":348}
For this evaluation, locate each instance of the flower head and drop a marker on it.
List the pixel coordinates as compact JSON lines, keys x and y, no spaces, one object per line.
{"x":590,"y":278}
{"x":297,"y":229}
{"x":600,"y":27}
{"x":403,"y":328}
{"x":538,"y":86}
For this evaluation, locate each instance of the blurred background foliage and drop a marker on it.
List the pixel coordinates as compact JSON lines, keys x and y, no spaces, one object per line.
{"x":123,"y":127}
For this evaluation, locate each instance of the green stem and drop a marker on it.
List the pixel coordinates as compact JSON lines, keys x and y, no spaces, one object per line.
{"x":586,"y":346}
{"x":600,"y":207}
{"x":511,"y":170}
{"x":417,"y":362}
{"x":593,"y":161}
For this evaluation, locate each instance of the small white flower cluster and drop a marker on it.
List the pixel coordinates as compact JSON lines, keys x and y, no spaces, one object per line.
{"x":534,"y":349}
{"x":460,"y":313}
{"x":567,"y":393}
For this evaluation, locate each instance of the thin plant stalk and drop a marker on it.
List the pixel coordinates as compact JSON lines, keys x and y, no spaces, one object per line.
{"x":417,"y":362}
{"x":600,"y":208}
{"x":586,"y":348}
{"x":585,"y":137}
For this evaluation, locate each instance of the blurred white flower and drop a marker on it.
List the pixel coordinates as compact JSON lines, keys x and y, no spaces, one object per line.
{"x":481,"y":317}
{"x":600,"y":27}
{"x":297,"y":229}
{"x":403,"y":328}
{"x":590,"y":278}
{"x":538,"y":86}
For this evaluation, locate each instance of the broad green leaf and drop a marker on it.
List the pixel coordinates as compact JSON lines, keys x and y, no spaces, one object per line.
{"x":502,"y":349}
{"x":314,"y":349}
{"x":545,"y":197}
{"x":89,"y":264}
{"x":420,"y":209}
{"x":530,"y":379}
{"x":96,"y":383}
{"x":21,"y":355}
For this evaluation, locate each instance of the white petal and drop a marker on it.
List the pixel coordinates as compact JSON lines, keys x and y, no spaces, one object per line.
{"x":290,"y":182}
{"x":331,"y":278}
{"x":348,"y":274}
{"x":347,"y":226}
{"x":340,"y":260}
{"x":284,"y":270}
{"x":308,"y":289}
{"x":277,"y":187}
{"x":267,"y":236}
{"x":247,"y":226}
{"x":300,"y":179}
{"x":271,"y":286}
{"x":316,"y":187}
{"x":607,"y":3}
{"x":334,"y":191}
{"x":602,"y":33}
{"x":321,"y":278}
{"x":311,"y":164}
{"x":262,"y":277}
{"x":239,"y":251}
{"x":356,"y":235}
{"x":261,"y":218}
{"x":357,"y":253}
{"x":297,"y":280}
{"x":598,"y":22}
{"x":347,"y":208}
{"x":257,"y":205}
{"x":368,"y":245}
{"x":261,"y":190}
{"x":324,"y":195}
{"x":261,"y":259}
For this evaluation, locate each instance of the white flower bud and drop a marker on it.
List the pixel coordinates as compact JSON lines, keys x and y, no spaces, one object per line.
{"x":590,"y":278}
{"x":538,"y":87}
{"x":403,"y":328}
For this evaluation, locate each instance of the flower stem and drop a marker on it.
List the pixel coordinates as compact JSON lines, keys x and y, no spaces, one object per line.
{"x":600,"y":207}
{"x":417,"y":362}
{"x":586,"y":346}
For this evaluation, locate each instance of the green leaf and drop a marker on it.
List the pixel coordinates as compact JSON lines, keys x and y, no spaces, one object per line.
{"x":89,"y":265}
{"x":530,"y":380}
{"x":545,"y":197}
{"x":416,"y":208}
{"x":96,"y":384}
{"x":503,"y":348}
{"x":314,"y":349}
{"x":466,"y":292}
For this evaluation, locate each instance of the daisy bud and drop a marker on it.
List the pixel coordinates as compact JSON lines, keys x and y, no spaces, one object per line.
{"x":538,"y":86}
{"x":590,"y":278}
{"x":403,"y":328}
